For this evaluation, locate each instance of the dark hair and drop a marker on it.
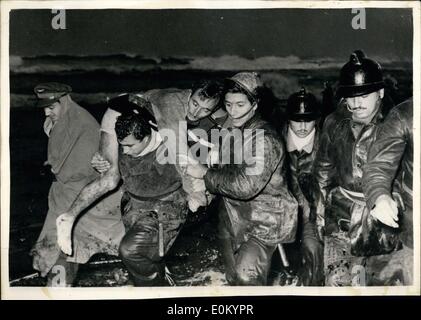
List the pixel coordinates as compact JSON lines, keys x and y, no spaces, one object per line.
{"x":138,"y":124}
{"x":208,"y":89}
{"x":233,"y":87}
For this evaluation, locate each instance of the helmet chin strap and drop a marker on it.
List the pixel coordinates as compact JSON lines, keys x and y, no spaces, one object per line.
{"x":245,"y":118}
{"x":349,"y":107}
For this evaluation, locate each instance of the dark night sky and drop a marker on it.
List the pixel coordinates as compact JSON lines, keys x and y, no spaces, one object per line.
{"x":248,"y":33}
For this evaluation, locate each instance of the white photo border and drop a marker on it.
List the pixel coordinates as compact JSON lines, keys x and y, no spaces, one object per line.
{"x":167,"y":292}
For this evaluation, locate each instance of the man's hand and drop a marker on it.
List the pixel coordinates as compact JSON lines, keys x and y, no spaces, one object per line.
{"x":64,"y":225}
{"x":193,"y":204}
{"x":386,"y":211}
{"x":99,"y":163}
{"x":197,"y":171}
{"x":306,"y":210}
{"x":212,"y":158}
{"x":39,"y":263}
{"x":311,"y":273}
{"x":198,"y":185}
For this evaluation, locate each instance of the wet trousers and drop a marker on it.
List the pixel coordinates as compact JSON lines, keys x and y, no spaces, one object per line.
{"x":344,"y":269}
{"x":139,"y":248}
{"x":247,"y":263}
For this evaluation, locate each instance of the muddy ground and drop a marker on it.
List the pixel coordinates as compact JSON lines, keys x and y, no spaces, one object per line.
{"x":193,"y":260}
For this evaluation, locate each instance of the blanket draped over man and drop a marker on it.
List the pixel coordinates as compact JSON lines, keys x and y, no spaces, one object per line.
{"x":73,"y":140}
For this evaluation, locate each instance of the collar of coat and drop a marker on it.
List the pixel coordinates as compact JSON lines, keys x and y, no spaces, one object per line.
{"x":253,"y":122}
{"x":295,"y":143}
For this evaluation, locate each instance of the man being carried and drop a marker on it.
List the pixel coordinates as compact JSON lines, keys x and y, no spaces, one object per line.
{"x":170,"y":107}
{"x":154,"y":205}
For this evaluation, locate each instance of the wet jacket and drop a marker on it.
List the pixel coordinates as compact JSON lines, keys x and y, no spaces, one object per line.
{"x":169,"y":107}
{"x":151,"y":186}
{"x":390,"y":161}
{"x":258,"y":203}
{"x":145,"y":177}
{"x":343,"y":151}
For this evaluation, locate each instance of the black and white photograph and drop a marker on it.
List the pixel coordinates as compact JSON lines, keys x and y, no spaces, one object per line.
{"x":254,"y":147}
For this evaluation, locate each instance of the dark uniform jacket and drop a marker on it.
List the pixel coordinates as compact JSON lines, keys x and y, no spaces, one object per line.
{"x":301,"y":165}
{"x":390,"y":162}
{"x":343,"y":151}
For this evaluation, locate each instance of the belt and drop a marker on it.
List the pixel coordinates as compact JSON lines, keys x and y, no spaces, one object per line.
{"x":160,"y":196}
{"x":357,"y":197}
{"x":406,"y":189}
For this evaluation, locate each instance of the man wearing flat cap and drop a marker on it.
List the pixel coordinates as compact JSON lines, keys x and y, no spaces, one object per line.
{"x":73,"y":139}
{"x":352,"y":236}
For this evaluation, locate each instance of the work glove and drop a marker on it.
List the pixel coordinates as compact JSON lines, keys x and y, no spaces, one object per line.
{"x":386,"y":211}
{"x":311,"y":272}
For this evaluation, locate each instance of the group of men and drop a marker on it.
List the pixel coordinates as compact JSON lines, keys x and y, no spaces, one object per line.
{"x":335,"y":193}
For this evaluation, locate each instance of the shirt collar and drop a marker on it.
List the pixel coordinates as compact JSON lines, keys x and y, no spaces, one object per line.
{"x":155,"y":142}
{"x":296,"y":143}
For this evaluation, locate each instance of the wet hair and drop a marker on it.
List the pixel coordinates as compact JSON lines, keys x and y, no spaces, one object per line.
{"x":208,"y":89}
{"x":233,"y":87}
{"x":138,"y":124}
{"x":128,"y":103}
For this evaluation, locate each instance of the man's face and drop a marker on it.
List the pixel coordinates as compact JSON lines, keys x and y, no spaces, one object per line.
{"x":302,"y":128}
{"x":239,"y":106}
{"x":199,"y":108}
{"x":364,"y":107}
{"x":132,"y":146}
{"x":53,"y":111}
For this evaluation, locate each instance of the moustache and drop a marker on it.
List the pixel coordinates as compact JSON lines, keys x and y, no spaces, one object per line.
{"x":355,"y":109}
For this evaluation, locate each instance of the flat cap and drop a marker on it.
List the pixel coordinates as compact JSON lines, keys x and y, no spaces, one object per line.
{"x":50,"y":92}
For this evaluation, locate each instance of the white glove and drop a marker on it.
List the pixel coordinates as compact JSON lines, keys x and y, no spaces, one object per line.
{"x":386,"y":211}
